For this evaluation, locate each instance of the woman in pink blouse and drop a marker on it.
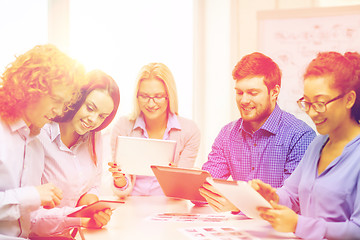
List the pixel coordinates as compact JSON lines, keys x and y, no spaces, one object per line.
{"x":155,"y":115}
{"x":73,"y":156}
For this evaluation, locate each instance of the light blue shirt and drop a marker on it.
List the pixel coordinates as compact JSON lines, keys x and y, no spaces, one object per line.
{"x":328,"y":204}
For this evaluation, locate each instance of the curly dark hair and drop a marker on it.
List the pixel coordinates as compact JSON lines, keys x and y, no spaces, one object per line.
{"x":345,"y":70}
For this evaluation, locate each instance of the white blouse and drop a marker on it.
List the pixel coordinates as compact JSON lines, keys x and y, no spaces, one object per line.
{"x":73,"y":171}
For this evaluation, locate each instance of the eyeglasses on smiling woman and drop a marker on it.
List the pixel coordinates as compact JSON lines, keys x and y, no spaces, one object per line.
{"x":319,"y":107}
{"x":157,"y":99}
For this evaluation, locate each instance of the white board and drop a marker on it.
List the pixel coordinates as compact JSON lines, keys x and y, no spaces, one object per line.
{"x":292,"y":38}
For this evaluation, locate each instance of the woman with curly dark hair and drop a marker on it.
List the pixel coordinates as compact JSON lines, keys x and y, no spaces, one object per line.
{"x":320,"y":200}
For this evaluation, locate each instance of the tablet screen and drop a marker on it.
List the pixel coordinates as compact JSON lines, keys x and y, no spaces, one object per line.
{"x":135,"y":155}
{"x":90,"y":210}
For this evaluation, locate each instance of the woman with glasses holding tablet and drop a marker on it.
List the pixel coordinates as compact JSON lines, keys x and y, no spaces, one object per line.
{"x":321,"y":199}
{"x":155,"y":115}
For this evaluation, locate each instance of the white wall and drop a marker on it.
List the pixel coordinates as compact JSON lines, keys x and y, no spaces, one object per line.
{"x":212,"y":69}
{"x":21,"y":28}
{"x":226,"y":30}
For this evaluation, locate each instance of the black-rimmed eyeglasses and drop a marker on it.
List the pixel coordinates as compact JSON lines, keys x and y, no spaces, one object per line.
{"x":156,"y":99}
{"x":319,"y":107}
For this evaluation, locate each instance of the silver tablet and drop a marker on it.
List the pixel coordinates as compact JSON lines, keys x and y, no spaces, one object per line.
{"x":136,"y":155}
{"x":89,"y":210}
{"x":242,"y":195}
{"x":181,"y":182}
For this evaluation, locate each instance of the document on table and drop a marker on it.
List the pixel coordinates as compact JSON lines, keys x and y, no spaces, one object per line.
{"x":189,"y":217}
{"x":216,"y":233}
{"x":234,"y":233}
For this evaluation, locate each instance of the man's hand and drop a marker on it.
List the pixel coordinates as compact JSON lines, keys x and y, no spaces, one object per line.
{"x":216,"y":200}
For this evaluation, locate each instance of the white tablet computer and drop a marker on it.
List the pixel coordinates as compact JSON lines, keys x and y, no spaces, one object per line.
{"x":136,"y":155}
{"x":89,"y":210}
{"x":181,"y":182}
{"x":242,"y":195}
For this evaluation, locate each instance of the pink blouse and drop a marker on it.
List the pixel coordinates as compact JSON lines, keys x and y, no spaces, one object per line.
{"x":184,"y":131}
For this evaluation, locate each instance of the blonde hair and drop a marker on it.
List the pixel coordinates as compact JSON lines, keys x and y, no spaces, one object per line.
{"x":160,"y":72}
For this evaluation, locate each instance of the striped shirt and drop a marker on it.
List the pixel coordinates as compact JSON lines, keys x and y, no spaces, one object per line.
{"x":270,"y":154}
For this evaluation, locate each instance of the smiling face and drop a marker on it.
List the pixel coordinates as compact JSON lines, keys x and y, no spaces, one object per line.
{"x":97,"y":107}
{"x":47,"y":107}
{"x":254,"y":101}
{"x":153,"y":109}
{"x":318,"y":89}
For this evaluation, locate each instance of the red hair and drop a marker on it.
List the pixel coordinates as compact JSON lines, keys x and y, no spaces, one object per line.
{"x":257,"y":64}
{"x":34,"y":74}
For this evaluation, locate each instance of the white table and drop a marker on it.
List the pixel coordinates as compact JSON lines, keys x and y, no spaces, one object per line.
{"x":131,"y":221}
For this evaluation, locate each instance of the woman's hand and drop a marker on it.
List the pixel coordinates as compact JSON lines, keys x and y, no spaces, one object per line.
{"x":50,"y":195}
{"x":268,"y":192}
{"x":281,"y":218}
{"x":171,"y":164}
{"x":119,"y":177}
{"x":87,"y":199}
{"x":98,"y":220}
{"x":216,"y":200}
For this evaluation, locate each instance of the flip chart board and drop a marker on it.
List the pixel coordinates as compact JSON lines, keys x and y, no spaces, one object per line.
{"x":292,"y":38}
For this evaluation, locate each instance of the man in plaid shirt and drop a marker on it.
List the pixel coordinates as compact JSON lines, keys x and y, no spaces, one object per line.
{"x":266,"y":143}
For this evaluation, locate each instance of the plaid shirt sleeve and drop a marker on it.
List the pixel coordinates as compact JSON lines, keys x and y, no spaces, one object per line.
{"x":296,"y":152}
{"x":217,"y":164}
